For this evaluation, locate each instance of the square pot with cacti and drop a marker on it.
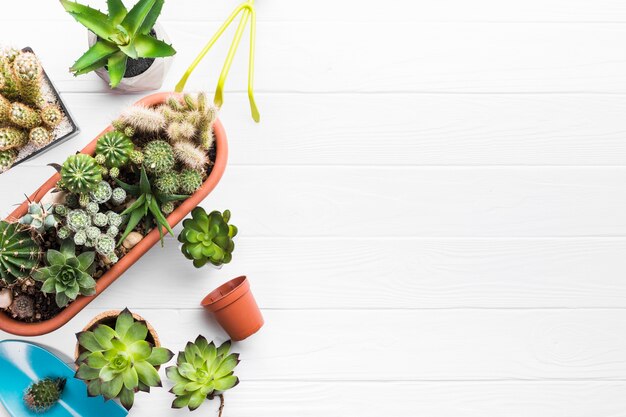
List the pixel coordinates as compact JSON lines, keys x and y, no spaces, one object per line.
{"x":108,"y":205}
{"x":33,"y":118}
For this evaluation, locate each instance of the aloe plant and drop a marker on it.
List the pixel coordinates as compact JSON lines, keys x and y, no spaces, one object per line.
{"x":118,"y":362}
{"x":122,"y":34}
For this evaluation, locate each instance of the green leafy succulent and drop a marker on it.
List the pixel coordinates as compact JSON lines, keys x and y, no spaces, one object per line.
{"x":203,"y":371}
{"x":122,"y":34}
{"x":147,"y":206}
{"x":67,"y":274}
{"x":208,"y":237}
{"x":120,"y":362}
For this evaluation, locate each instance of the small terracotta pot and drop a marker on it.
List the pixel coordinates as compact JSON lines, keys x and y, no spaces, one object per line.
{"x":109,"y":318}
{"x":235,"y":308}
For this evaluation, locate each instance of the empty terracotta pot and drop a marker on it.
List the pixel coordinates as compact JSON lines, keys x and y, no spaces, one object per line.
{"x":235,"y":308}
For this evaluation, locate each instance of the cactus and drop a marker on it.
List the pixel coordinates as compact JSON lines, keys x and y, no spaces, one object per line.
{"x":80,"y":173}
{"x":92,"y":208}
{"x":39,"y":217}
{"x":12,"y":138}
{"x":115,"y":147}
{"x":143,"y":119}
{"x":5,"y":108}
{"x":100,"y":219}
{"x":40,"y":136}
{"x":23,"y":116}
{"x":105,"y":245}
{"x":78,"y":219}
{"x":28,"y":73}
{"x":181,"y":132}
{"x":114,"y":172}
{"x":64,"y":232}
{"x":136,"y":157}
{"x":51,"y":115}
{"x":167,"y":207}
{"x":23,"y":307}
{"x":7,"y":158}
{"x":158,"y":157}
{"x":118,"y":196}
{"x":167,"y":183}
{"x":208,"y":237}
{"x":19,"y":253}
{"x":189,"y":181}
{"x":101,"y":193}
{"x":191,"y":156}
{"x":114,"y":219}
{"x":42,"y":395}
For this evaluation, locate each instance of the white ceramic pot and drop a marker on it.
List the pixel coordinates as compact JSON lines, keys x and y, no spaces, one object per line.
{"x":151,"y":79}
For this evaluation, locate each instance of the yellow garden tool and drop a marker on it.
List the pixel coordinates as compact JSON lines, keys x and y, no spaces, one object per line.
{"x":247,"y":12}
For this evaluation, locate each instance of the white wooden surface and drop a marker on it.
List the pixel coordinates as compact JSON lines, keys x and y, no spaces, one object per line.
{"x":431,"y":211}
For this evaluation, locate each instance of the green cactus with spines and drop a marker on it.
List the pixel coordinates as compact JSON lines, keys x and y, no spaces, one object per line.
{"x":136,"y":157}
{"x":80,"y":237}
{"x":189,"y":181}
{"x":167,"y":208}
{"x":208,"y":237}
{"x":167,"y":183}
{"x":51,"y":115}
{"x":39,"y":217}
{"x":7,"y":158}
{"x":181,"y":132}
{"x":5,"y":108}
{"x":78,"y":219}
{"x":60,"y":209}
{"x":129,"y":131}
{"x":93,"y":232}
{"x":24,"y":116}
{"x":42,"y":395}
{"x":101,"y":193}
{"x":118,"y":196}
{"x":19,"y":253}
{"x":40,"y":136}
{"x":83,"y":200}
{"x":28,"y":73}
{"x":105,"y":245}
{"x":64,"y":232}
{"x":100,"y":219}
{"x":114,"y":219}
{"x":116,"y":147}
{"x":12,"y":138}
{"x":92,"y":208}
{"x":114,"y":172}
{"x":81,"y":173}
{"x":158,"y":157}
{"x":9,"y":86}
{"x":113,"y":231}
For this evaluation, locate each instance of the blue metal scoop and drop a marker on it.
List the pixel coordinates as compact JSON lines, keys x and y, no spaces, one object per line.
{"x":22,"y":363}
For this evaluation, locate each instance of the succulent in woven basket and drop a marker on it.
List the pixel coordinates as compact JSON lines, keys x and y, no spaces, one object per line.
{"x":118,"y":362}
{"x":208,"y":237}
{"x":19,"y":253}
{"x":67,"y":274}
{"x":202,"y":371}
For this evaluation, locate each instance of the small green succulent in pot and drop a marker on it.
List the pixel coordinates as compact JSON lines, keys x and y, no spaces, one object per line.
{"x":208,"y":237}
{"x":119,"y":361}
{"x":67,"y":274}
{"x":19,"y":253}
{"x":122,"y":34}
{"x":203,"y":371}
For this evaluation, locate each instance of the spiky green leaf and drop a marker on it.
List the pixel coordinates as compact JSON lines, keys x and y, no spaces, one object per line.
{"x":149,"y":47}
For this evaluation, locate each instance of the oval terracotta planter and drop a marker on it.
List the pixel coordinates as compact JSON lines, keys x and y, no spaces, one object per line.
{"x":109,"y":317}
{"x":235,"y":308}
{"x":35,"y":329}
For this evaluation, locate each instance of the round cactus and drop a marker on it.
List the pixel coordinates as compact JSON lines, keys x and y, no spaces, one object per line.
{"x":116,"y":147}
{"x":158,"y":157}
{"x":19,"y":253}
{"x":101,"y":159}
{"x":113,"y":231}
{"x":78,"y":219}
{"x":80,"y":237}
{"x":114,"y":172}
{"x":114,"y":219}
{"x":23,"y":116}
{"x":167,"y":207}
{"x":64,"y":232}
{"x":136,"y":157}
{"x":60,"y":209}
{"x":42,"y":395}
{"x":81,"y":173}
{"x":11,"y":138}
{"x":167,"y":183}
{"x":118,"y":196}
{"x":7,"y":158}
{"x":92,"y":232}
{"x":189,"y":181}
{"x":102,"y":193}
{"x":83,"y":200}
{"x":129,"y":131}
{"x":40,"y":136}
{"x":51,"y":115}
{"x":92,"y":207}
{"x":191,"y":156}
{"x":100,"y":219}
{"x":105,"y":244}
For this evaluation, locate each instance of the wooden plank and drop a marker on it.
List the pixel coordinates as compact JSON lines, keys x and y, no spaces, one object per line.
{"x":357,"y":129}
{"x":375,"y":11}
{"x":390,"y":273}
{"x":427,"y":345}
{"x":294,"y":201}
{"x":351,"y":57}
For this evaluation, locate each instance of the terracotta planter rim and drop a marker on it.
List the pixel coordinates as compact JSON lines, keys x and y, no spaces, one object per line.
{"x":226,"y":294}
{"x":19,"y":328}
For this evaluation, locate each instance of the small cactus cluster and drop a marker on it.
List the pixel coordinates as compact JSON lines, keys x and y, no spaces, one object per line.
{"x":39,"y":217}
{"x":42,"y":395}
{"x":25,"y":116}
{"x":87,"y":225}
{"x":190,"y":120}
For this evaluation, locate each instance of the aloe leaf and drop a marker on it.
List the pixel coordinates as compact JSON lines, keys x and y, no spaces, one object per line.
{"x":137,"y":15}
{"x":94,"y":23}
{"x":133,"y":189}
{"x":129,"y":50}
{"x":149,"y":47}
{"x":117,"y":11}
{"x":99,"y":51}
{"x":117,"y":68}
{"x":160,"y":219}
{"x":134,"y":220}
{"x":144,"y":183}
{"x":152,"y":17}
{"x":74,"y":7}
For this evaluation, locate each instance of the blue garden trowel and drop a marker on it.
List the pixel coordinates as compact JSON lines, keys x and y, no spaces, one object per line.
{"x":22,"y":363}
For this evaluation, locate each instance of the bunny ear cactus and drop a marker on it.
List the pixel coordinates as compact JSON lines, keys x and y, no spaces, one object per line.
{"x":203,"y":371}
{"x":118,"y":362}
{"x":68,"y":274}
{"x":208,"y":237}
{"x":122,"y":34}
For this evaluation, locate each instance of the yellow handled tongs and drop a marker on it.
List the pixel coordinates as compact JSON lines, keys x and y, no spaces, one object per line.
{"x":247,"y":13}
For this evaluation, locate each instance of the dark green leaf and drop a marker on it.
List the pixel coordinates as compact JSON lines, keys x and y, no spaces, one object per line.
{"x":117,"y":68}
